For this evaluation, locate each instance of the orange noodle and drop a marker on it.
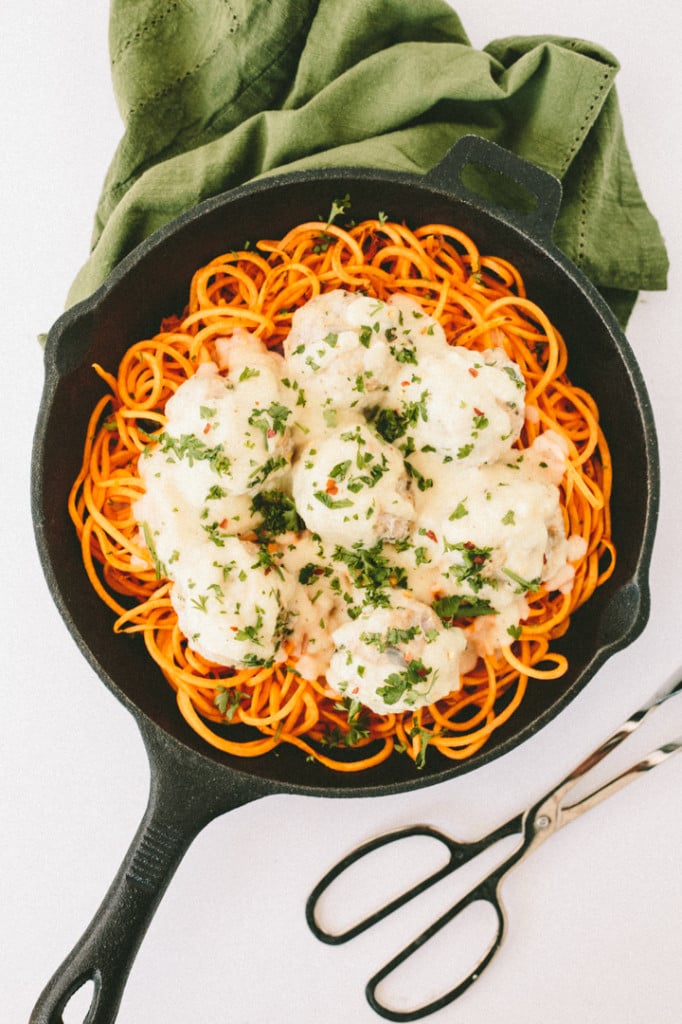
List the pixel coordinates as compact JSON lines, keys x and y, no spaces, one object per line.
{"x":480,"y":302}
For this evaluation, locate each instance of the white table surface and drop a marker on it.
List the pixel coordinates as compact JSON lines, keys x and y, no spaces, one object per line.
{"x":594,"y":929}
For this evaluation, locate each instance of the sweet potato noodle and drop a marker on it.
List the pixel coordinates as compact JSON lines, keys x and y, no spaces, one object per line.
{"x":480,"y":302}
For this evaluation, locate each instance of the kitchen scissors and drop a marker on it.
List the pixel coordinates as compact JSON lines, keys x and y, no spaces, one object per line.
{"x":534,"y":825}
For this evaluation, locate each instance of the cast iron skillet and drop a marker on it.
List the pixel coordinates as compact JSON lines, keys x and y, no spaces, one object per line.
{"x":191,"y":783}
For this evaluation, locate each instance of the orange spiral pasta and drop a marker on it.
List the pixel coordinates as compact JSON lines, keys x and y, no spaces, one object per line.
{"x":480,"y":302}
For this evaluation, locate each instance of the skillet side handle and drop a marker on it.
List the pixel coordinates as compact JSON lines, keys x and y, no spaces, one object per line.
{"x":174,"y":816}
{"x":541,"y":188}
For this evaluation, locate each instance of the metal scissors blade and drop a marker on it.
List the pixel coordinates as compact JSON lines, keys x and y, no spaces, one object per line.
{"x":533,"y":826}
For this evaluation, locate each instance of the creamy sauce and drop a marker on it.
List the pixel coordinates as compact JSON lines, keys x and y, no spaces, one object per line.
{"x":347,"y":502}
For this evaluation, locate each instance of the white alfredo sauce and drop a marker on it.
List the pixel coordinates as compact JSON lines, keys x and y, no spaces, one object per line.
{"x":349,"y":502}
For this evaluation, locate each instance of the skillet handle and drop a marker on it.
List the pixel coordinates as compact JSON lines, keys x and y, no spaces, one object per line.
{"x":174,"y":816}
{"x":539,"y":190}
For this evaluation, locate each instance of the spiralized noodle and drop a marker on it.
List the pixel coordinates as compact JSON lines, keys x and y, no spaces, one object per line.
{"x":480,"y":302}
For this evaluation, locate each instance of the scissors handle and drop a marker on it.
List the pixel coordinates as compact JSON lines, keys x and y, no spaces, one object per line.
{"x":486,"y":891}
{"x":458,"y":854}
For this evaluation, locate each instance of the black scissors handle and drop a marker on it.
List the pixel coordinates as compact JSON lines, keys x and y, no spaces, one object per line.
{"x":459,"y":853}
{"x":486,"y":891}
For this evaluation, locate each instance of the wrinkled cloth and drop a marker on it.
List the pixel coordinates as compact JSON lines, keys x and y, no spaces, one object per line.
{"x":214,"y":93}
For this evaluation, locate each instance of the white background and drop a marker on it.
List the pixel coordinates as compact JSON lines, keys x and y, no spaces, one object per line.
{"x":594,"y":915}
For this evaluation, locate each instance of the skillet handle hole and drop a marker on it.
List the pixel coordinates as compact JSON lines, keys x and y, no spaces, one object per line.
{"x":80,"y":1005}
{"x":498,"y":188}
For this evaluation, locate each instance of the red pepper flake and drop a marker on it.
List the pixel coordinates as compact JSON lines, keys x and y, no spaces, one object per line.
{"x":431,"y":535}
{"x":223,"y":524}
{"x":404,"y":383}
{"x":478,"y":412}
{"x":207,"y":428}
{"x":331,"y":487}
{"x":473,"y":371}
{"x":477,"y":559}
{"x":271,"y":432}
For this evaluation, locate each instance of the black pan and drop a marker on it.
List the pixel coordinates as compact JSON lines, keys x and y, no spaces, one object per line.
{"x":192,"y":783}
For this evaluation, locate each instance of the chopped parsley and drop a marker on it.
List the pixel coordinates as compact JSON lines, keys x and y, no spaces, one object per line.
{"x":402,"y":355}
{"x":248,"y":372}
{"x":424,"y":736}
{"x":371,"y":571}
{"x":254,"y":661}
{"x":391,"y":638}
{"x":340,"y":469}
{"x":459,"y":512}
{"x":392,"y":424}
{"x":278,"y":512}
{"x":216,"y":492}
{"x":252,"y":633}
{"x":470,"y":569}
{"x":191,"y":448}
{"x":270,"y":465}
{"x":423,"y":482}
{"x":311,"y":572}
{"x":332,"y":502}
{"x":357,"y":717}
{"x":523,"y":586}
{"x":513,"y":375}
{"x":365,"y":336}
{"x":159,"y":567}
{"x":215,"y":534}
{"x":372,"y":473}
{"x":461,"y":606}
{"x":408,"y":684}
{"x":338,"y":208}
{"x":270,"y":421}
{"x":228,"y":699}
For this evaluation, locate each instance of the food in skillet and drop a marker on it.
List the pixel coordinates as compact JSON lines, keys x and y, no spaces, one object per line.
{"x":349,"y":497}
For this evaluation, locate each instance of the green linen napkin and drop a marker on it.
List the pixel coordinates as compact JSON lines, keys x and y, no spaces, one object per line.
{"x":214,"y":93}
